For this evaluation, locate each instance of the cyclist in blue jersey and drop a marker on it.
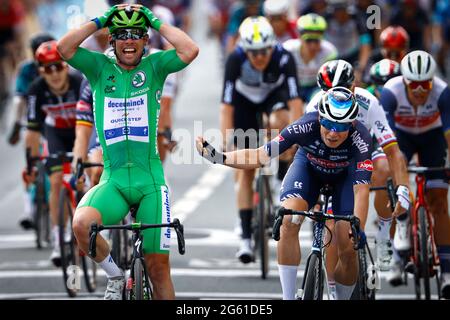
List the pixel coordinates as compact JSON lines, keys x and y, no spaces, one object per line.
{"x":28,"y":71}
{"x":336,"y":150}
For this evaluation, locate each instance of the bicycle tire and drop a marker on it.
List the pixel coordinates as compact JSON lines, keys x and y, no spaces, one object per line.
{"x":263,"y":214}
{"x":90,"y":273}
{"x":313,"y":289}
{"x":424,"y":253}
{"x":364,"y":292}
{"x":41,"y":215}
{"x":138,"y":279}
{"x":68,"y":254}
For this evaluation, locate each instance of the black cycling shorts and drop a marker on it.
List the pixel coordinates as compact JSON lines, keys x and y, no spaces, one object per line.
{"x":431,"y":148}
{"x":58,"y":140}
{"x":246,"y":116}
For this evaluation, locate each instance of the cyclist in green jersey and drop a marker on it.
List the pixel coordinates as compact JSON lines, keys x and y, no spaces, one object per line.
{"x":127,"y":90}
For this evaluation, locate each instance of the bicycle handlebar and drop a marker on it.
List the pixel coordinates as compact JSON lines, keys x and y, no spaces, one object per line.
{"x":423,"y":170}
{"x":390,"y":191}
{"x":318,"y":216}
{"x":175,"y":224}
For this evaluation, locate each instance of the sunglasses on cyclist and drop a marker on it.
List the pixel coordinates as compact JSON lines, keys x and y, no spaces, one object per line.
{"x":256,"y":52}
{"x":54,"y":67}
{"x":426,"y":85}
{"x":125,"y":34}
{"x":334,"y":126}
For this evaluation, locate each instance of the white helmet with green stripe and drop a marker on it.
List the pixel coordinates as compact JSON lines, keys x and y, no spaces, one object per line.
{"x":256,"y":33}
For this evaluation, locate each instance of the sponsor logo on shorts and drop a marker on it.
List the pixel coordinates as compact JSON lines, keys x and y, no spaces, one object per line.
{"x":165,"y":218}
{"x":365,"y":165}
{"x":298,"y":184}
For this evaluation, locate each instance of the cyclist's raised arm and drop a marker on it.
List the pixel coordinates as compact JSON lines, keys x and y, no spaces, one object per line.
{"x":69,"y":43}
{"x":185,"y":47}
{"x":389,"y":103}
{"x":239,"y":159}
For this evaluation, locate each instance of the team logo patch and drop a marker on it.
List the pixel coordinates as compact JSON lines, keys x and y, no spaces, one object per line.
{"x":365,"y":165}
{"x":138,"y":79}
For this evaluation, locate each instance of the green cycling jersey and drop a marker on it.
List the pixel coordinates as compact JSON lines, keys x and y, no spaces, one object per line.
{"x":126,"y":111}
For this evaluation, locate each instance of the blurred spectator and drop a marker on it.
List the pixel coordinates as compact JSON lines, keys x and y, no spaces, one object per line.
{"x":348,"y":32}
{"x":415,"y":20}
{"x":12,"y":14}
{"x":239,"y":11}
{"x":59,"y":16}
{"x":276,"y":11}
{"x":165,"y":15}
{"x":313,"y":6}
{"x":218,"y":12}
{"x":180,"y":9}
{"x":441,"y":33}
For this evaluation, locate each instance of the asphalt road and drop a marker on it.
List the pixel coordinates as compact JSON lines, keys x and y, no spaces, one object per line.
{"x":202,"y":196}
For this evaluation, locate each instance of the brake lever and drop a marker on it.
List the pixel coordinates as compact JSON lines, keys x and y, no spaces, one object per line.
{"x":179,"y":229}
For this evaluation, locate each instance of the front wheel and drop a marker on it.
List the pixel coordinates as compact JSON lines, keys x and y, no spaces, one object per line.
{"x":69,"y":256}
{"x":424,"y":238}
{"x":314,"y":279}
{"x":141,"y":285}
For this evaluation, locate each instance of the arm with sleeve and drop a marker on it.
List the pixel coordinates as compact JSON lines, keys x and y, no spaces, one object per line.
{"x":389,"y":104}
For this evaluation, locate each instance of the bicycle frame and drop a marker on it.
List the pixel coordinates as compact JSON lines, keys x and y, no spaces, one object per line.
{"x":421,"y":202}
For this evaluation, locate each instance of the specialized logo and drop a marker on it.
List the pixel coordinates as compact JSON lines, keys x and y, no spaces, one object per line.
{"x":165,"y":218}
{"x":138,"y":79}
{"x":158,"y":95}
{"x":298,"y":184}
{"x":111,"y":78}
{"x":365,"y":165}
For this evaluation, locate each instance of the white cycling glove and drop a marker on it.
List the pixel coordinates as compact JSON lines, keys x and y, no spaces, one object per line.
{"x":403,"y":196}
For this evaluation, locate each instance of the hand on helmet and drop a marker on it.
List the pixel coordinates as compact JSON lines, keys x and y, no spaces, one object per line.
{"x":103,"y":20}
{"x":153,"y":21}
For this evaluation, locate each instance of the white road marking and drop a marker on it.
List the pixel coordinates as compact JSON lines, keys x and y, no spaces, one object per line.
{"x":199,"y":192}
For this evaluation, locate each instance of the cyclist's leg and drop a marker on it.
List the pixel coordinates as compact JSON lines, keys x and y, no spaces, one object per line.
{"x":301,"y":189}
{"x":408,"y":145}
{"x":59,"y":140}
{"x":103,"y":204}
{"x":245,"y":136}
{"x":346,"y":269}
{"x":154,"y":209}
{"x":433,"y":155}
{"x":380,"y":175}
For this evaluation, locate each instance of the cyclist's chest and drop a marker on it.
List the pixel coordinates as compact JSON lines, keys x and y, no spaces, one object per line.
{"x":129,"y":109}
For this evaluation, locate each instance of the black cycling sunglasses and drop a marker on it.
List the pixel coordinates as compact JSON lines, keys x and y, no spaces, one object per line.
{"x":125,"y":34}
{"x":256,"y":52}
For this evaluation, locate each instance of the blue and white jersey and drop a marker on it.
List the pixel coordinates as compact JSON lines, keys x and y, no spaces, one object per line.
{"x":353,"y":153}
